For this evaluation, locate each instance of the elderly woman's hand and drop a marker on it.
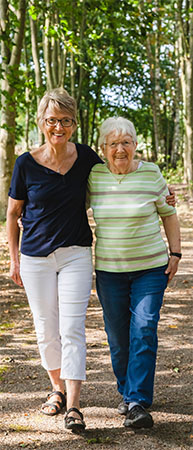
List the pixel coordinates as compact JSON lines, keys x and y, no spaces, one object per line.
{"x":172,"y":267}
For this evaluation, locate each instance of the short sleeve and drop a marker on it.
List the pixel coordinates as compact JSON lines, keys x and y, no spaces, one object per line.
{"x":93,"y":157}
{"x":17,"y":188}
{"x":163,"y":208}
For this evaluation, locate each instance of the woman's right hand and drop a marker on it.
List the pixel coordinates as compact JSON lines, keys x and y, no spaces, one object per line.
{"x":19,"y":223}
{"x":15,"y":273}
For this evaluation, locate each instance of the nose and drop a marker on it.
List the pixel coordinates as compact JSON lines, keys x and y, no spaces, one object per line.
{"x":120,"y":146}
{"x":58,"y":125}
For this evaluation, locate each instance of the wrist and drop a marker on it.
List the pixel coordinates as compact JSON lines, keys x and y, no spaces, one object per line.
{"x":177,"y":254}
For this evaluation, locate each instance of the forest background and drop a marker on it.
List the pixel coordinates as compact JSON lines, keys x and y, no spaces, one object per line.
{"x":131,"y":58}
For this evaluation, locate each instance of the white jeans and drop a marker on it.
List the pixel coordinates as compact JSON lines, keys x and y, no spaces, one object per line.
{"x":58,"y":289}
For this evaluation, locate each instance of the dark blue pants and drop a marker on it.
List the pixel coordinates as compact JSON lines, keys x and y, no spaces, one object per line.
{"x":131,"y":303}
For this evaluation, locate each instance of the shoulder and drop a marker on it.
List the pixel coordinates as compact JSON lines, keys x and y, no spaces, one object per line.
{"x":87,"y":152}
{"x":22,"y":159}
{"x":149,"y":166}
{"x":98,"y":170}
{"x":98,"y":173}
{"x":150,"y":169}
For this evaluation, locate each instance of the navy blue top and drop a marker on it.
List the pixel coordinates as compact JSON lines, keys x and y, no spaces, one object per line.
{"x":54,"y":213}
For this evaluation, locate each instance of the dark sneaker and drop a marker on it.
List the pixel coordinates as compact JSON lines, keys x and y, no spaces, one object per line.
{"x":122,"y":408}
{"x":137,"y":417}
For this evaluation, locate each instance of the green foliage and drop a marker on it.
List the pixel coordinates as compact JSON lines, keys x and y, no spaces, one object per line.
{"x":3,"y":370}
{"x":106,"y":43}
{"x":173,"y":176}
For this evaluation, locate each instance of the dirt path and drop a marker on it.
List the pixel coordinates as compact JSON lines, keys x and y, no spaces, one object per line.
{"x":24,"y":384}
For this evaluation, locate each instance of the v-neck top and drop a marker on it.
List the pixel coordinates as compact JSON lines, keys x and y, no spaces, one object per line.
{"x":54,"y":213}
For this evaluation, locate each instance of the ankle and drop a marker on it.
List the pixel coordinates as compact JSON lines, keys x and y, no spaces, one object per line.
{"x":58,"y":387}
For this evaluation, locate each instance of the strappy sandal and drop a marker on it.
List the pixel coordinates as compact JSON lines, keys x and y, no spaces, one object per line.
{"x":58,"y":406}
{"x":74,"y":423}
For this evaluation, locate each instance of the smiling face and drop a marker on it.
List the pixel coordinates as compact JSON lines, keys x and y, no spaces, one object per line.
{"x":57,"y":135}
{"x":119,"y":150}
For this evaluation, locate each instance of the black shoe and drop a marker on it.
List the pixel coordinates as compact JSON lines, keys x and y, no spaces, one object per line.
{"x":137,"y":417}
{"x":73,"y":423}
{"x":122,"y":408}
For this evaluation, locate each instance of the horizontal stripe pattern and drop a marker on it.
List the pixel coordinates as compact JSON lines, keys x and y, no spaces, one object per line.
{"x":127,"y":218}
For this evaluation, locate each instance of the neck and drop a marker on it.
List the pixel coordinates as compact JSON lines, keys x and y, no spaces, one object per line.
{"x":57,"y":154}
{"x":120,"y":170}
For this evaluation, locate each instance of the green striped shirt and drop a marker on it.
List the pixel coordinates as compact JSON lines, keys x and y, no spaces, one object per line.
{"x":128,"y":236}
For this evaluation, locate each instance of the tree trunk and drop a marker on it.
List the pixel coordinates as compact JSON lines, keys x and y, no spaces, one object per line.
{"x":48,"y":51}
{"x":10,"y":65}
{"x":27,"y":97}
{"x":38,"y":73}
{"x":186,"y":51}
{"x":176,"y":136}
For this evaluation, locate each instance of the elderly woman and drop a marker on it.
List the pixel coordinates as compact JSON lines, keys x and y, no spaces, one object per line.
{"x":132,"y":264}
{"x":49,"y":187}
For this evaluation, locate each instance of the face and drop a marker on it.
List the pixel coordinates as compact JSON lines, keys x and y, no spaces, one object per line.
{"x":119,"y":151}
{"x":57,"y":134}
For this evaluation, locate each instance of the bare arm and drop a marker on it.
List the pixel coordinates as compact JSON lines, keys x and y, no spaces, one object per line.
{"x":14,"y":211}
{"x":172,"y":230}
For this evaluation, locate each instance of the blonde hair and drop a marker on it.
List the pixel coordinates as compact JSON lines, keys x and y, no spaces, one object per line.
{"x":117,"y":125}
{"x":57,"y":98}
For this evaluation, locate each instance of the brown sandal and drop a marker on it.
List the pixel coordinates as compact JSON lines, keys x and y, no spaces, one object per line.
{"x":58,"y":406}
{"x":74,"y":423}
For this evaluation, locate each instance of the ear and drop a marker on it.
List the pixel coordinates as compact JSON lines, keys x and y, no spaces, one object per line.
{"x":74,"y":127}
{"x":103,"y":148}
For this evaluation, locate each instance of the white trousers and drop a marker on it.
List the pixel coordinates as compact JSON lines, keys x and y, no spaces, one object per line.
{"x":58,"y":289}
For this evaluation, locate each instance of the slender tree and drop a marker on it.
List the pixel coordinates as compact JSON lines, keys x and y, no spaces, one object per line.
{"x":185,"y":17}
{"x":11,"y":47}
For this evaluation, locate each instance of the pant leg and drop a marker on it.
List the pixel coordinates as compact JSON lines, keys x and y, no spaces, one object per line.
{"x":146,"y":299}
{"x":39,"y":276}
{"x":74,"y":287}
{"x":113,"y":293}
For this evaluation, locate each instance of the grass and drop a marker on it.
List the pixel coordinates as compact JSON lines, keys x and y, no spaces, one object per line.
{"x":19,"y":428}
{"x":6,"y":326}
{"x":3,"y":370}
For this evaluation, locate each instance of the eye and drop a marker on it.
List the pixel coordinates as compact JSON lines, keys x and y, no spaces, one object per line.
{"x":51,"y":121}
{"x":66,"y":121}
{"x":113,"y":145}
{"x":127,"y":143}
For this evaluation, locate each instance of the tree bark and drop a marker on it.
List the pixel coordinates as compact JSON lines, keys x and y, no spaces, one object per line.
{"x":10,"y":66}
{"x":186,"y":60}
{"x":176,"y":136}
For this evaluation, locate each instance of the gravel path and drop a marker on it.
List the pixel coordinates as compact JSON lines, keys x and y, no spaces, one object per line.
{"x":24,"y":383}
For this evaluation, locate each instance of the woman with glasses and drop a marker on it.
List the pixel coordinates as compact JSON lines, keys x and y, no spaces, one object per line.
{"x":132,"y":264}
{"x":49,"y":188}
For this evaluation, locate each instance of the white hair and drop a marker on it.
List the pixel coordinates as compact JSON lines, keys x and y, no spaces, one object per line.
{"x":117,"y":125}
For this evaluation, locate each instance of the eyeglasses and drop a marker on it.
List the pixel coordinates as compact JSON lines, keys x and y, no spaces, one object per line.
{"x":125,"y":144}
{"x":65,"y":122}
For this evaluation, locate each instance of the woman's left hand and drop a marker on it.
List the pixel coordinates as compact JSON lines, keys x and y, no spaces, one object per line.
{"x":172,"y":267}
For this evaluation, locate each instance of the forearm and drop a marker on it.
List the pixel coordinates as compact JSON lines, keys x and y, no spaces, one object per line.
{"x":13,"y":236}
{"x":14,"y":211}
{"x":172,"y":230}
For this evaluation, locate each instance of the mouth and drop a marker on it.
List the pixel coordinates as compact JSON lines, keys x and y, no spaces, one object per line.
{"x":58,"y":134}
{"x":121,"y":157}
